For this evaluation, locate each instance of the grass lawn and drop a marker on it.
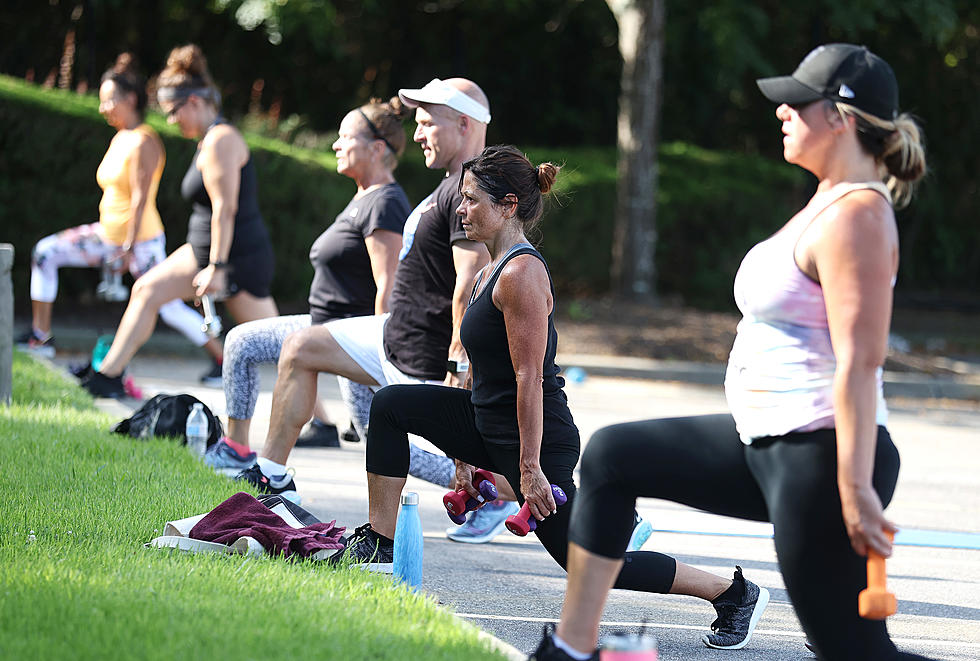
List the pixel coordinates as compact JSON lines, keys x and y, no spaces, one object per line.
{"x":75,"y":582}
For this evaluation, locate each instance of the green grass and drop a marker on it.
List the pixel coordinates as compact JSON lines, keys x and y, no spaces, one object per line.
{"x":83,"y":587}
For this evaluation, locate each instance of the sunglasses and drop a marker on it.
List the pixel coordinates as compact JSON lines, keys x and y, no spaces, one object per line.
{"x":175,"y":108}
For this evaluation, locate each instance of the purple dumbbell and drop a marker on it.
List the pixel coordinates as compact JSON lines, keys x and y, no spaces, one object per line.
{"x":459,"y":502}
{"x":522,"y":523}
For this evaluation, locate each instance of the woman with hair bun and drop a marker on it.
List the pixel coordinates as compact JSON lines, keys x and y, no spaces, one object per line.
{"x":228,"y":252}
{"x":354,"y":262}
{"x":805,"y":446}
{"x":129,"y":235}
{"x":515,"y":419}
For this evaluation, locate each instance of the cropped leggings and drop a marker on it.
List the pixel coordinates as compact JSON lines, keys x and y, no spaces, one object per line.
{"x":445,"y":417}
{"x":260,"y":341}
{"x":86,"y":246}
{"x":789,"y":480}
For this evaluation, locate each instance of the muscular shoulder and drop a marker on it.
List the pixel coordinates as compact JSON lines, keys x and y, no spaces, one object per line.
{"x":523,"y":280}
{"x":226,"y":143}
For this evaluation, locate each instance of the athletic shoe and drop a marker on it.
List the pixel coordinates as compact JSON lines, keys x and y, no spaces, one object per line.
{"x":547,"y":651}
{"x":736,"y":621}
{"x":318,"y":434}
{"x":368,"y":550}
{"x":483,"y":524}
{"x":641,"y":532}
{"x":31,"y":342}
{"x":223,"y":456}
{"x":100,"y":385}
{"x":212,"y":378}
{"x":282,"y":485}
{"x":80,"y":370}
{"x":350,"y":435}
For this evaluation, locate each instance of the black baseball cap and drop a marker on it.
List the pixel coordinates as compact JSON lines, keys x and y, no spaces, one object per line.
{"x":839,"y":72}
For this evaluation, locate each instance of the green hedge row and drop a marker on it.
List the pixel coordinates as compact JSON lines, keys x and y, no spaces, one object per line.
{"x":712,"y":205}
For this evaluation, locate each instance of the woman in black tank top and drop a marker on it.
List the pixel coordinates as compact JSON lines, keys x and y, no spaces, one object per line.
{"x":228,"y":253}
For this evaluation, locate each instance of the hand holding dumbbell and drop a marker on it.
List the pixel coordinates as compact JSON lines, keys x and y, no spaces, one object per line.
{"x":875,"y":602}
{"x":522,"y":523}
{"x":459,"y":502}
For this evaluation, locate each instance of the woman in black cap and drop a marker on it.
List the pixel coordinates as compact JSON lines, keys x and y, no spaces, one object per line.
{"x":805,"y":445}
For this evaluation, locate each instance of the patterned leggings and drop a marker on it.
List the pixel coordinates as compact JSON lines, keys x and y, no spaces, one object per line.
{"x":250,"y":344}
{"x":85,"y":245}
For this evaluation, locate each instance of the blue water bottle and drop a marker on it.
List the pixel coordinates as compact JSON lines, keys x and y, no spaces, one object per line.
{"x":408,"y":542}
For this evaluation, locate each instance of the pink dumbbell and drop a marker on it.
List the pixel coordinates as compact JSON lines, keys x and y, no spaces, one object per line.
{"x":522,"y":523}
{"x":459,"y":502}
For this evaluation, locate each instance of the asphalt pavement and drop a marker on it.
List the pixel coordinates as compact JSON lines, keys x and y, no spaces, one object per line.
{"x":511,"y":587}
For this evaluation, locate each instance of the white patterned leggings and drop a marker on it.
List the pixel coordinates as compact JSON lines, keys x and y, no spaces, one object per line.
{"x":86,"y":246}
{"x":251,"y":344}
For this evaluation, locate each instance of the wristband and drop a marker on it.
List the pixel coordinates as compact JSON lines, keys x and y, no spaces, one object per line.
{"x":457,"y":367}
{"x":219,"y":265}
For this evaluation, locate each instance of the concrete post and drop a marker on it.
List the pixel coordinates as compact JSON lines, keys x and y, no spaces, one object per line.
{"x":6,"y":323}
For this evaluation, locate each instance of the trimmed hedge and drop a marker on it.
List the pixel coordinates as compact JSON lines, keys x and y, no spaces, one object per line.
{"x":712,"y":205}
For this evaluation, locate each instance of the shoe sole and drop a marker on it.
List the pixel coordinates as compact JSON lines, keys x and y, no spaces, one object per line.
{"x":760,"y":608}
{"x":43,"y":352}
{"x":482,"y":539}
{"x":640,"y":536}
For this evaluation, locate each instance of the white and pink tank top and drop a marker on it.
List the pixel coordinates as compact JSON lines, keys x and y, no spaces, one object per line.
{"x":781,"y":369}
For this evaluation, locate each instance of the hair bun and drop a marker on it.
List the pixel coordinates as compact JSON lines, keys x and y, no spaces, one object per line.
{"x":188,"y":59}
{"x":398,"y":108}
{"x":546,"y":173}
{"x":125,"y":63}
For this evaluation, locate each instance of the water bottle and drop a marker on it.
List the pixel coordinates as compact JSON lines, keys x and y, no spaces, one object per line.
{"x":197,"y":430}
{"x":408,"y":542}
{"x":623,"y":646}
{"x":102,"y":346}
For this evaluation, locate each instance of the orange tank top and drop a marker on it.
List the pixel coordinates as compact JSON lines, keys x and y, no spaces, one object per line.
{"x":114,"y":177}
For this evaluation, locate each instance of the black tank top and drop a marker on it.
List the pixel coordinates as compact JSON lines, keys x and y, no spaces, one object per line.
{"x":484,"y":336}
{"x":250,"y":235}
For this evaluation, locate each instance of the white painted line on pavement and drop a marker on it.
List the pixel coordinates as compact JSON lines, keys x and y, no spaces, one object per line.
{"x":689,"y":627}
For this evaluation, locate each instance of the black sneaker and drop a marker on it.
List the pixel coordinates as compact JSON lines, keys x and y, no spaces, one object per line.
{"x":736,"y":620}
{"x":317,"y":434}
{"x":548,"y":652}
{"x":100,"y":385}
{"x":30,"y":342}
{"x":350,"y":435}
{"x":212,"y":378}
{"x":368,"y":550}
{"x":282,"y":485}
{"x":80,"y":370}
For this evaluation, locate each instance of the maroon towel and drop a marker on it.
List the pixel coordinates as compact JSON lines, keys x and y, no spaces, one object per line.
{"x":244,"y":516}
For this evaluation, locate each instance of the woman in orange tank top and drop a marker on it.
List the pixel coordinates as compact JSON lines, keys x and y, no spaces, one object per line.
{"x":129,"y":235}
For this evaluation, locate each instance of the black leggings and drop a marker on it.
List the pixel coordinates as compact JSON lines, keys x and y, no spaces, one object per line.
{"x":444,"y":417}
{"x":789,"y":480}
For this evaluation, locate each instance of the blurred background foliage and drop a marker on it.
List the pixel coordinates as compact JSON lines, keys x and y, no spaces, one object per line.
{"x":290,"y":69}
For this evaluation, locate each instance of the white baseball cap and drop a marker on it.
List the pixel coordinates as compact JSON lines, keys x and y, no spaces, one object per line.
{"x":442,"y":93}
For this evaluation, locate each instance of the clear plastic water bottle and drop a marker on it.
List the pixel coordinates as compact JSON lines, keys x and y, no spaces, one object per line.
{"x":197,"y":430}
{"x":408,"y":542}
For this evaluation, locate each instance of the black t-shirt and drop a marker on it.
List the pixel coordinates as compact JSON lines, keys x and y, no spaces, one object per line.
{"x":417,"y":336}
{"x":343,"y":283}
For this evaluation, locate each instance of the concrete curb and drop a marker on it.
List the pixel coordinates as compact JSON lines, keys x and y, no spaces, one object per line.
{"x":897,"y":384}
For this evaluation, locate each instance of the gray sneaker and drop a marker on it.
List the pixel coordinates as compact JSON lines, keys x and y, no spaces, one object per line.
{"x":736,"y":621}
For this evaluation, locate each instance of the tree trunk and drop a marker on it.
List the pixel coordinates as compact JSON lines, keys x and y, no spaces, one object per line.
{"x":641,"y":37}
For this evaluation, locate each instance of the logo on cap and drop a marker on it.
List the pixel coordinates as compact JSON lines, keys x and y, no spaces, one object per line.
{"x":845,"y":92}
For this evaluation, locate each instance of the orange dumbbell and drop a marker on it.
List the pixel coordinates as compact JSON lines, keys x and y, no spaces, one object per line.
{"x":877,"y":603}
